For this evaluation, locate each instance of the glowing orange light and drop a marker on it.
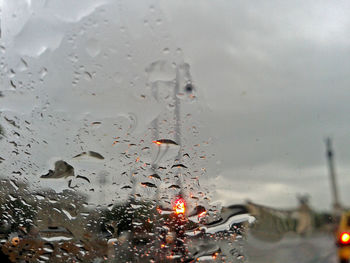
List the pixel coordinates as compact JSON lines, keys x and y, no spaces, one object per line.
{"x":15,"y":241}
{"x":345,"y":238}
{"x":202,"y":214}
{"x":179,"y":206}
{"x":157,"y":142}
{"x":162,"y":245}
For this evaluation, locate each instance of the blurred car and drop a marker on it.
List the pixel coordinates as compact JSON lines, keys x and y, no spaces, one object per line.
{"x":343,"y":238}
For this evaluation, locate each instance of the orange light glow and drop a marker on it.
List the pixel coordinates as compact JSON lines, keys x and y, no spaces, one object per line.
{"x":157,"y":142}
{"x":202,"y":214}
{"x":162,"y":245}
{"x":15,"y":241}
{"x":179,"y":206}
{"x":345,"y":238}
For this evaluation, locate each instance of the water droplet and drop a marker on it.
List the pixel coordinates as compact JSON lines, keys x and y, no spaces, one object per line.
{"x":159,"y":21}
{"x":180,"y":165}
{"x":23,"y":65}
{"x":83,"y":178}
{"x":73,"y":58}
{"x":12,"y":122}
{"x":165,"y":142}
{"x":40,"y":196}
{"x":147,"y":184}
{"x":56,"y":238}
{"x":156,"y":176}
{"x":11,"y":73}
{"x":186,"y":155}
{"x":189,"y":88}
{"x":174,"y":186}
{"x":166,"y":50}
{"x":88,"y":75}
{"x":235,"y":215}
{"x":161,"y":71}
{"x":68,"y":214}
{"x":93,"y":47}
{"x":43,"y":73}
{"x":62,"y":170}
{"x":13,"y":84}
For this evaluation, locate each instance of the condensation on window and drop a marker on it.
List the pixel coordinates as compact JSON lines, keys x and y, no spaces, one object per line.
{"x":102,"y":157}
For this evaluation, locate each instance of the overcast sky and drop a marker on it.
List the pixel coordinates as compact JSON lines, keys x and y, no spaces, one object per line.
{"x":275,"y":75}
{"x":272,"y":76}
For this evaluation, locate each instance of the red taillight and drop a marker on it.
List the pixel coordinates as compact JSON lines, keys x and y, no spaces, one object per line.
{"x":345,"y":238}
{"x":179,"y":206}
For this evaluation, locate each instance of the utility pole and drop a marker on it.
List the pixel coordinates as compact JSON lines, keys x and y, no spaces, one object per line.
{"x":332,"y":174}
{"x":176,"y":223}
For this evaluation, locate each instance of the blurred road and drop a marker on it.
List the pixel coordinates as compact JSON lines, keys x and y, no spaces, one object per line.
{"x":313,"y":249}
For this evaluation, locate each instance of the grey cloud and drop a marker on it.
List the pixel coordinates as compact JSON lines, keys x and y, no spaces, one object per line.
{"x":275,"y":76}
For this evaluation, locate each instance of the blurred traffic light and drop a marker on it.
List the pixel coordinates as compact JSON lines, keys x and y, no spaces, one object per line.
{"x":345,"y":238}
{"x":179,"y":206}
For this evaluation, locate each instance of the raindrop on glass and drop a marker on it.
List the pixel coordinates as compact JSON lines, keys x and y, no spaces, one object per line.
{"x":93,"y":47}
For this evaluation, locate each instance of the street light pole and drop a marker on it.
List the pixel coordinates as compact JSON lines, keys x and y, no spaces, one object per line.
{"x":332,"y":174}
{"x":177,"y":222}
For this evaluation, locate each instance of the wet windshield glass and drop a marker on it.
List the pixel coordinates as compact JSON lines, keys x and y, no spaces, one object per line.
{"x":173,"y":132}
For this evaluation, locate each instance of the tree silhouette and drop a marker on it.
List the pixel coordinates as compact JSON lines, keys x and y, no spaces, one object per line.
{"x":122,"y":216}
{"x":16,"y":213}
